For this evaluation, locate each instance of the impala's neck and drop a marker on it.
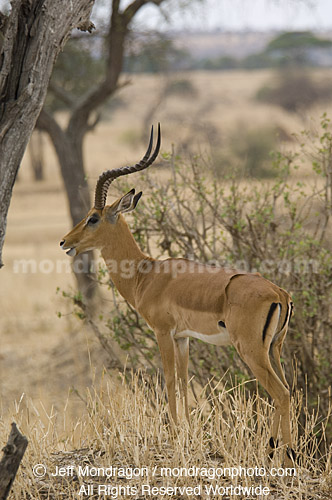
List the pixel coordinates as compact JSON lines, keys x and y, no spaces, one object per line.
{"x":122,"y":257}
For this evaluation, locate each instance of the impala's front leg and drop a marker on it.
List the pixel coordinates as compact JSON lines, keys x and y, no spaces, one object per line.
{"x":182,"y":360}
{"x":166,"y":347}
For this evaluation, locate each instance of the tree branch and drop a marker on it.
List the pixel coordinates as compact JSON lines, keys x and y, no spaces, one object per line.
{"x":116,"y":38}
{"x":134,"y":7}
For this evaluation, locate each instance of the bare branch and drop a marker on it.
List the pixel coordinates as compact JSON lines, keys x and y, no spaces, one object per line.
{"x":118,"y":30}
{"x":134,"y":7}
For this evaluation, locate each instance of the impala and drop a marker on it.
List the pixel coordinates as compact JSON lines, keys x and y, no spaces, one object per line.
{"x":179,"y":299}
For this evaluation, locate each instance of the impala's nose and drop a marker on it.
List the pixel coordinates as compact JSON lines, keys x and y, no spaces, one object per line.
{"x":62,"y":243}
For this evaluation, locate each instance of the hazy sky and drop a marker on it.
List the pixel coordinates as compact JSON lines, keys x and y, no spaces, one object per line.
{"x":251,"y":14}
{"x":238,"y":14}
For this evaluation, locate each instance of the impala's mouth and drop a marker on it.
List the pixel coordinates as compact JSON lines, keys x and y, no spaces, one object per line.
{"x":72,"y":250}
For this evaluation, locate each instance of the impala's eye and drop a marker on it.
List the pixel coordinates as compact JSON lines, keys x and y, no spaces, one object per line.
{"x":93,"y":219}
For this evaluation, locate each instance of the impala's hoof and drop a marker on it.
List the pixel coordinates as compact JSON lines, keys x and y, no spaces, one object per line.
{"x":273,"y":444}
{"x":291,"y":455}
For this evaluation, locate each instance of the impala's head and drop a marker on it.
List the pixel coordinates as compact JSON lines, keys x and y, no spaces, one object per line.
{"x":89,"y":233}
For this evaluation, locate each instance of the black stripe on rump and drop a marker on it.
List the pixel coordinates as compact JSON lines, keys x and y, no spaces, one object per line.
{"x":268,"y":319}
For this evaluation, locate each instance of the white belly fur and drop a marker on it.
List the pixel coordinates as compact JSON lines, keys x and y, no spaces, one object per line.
{"x":220,"y":338}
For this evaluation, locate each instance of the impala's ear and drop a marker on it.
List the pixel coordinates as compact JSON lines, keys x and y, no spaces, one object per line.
{"x":136,"y":199}
{"x":125,"y":204}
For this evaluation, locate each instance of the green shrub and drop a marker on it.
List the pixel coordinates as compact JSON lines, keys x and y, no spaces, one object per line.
{"x":249,"y":151}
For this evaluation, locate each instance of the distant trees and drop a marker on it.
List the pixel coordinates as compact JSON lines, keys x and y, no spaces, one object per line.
{"x":298,"y":40}
{"x":293,"y":88}
{"x":289,"y":49}
{"x":155,"y":53}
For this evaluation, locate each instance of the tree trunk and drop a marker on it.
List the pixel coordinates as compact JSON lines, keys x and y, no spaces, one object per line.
{"x":69,"y":150}
{"x":33,"y":34}
{"x":12,"y":455}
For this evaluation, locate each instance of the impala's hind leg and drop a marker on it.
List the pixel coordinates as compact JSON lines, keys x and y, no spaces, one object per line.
{"x":263,"y":371}
{"x":182,"y":359}
{"x":275,"y":353}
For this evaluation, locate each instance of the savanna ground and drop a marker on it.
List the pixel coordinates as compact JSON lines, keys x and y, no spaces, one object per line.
{"x":52,"y":370}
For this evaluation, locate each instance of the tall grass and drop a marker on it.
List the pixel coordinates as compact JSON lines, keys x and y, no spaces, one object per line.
{"x":125,"y":425}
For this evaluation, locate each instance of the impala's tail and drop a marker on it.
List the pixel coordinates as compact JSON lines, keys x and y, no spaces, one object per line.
{"x":277,"y":340}
{"x":281,"y":331}
{"x":272,"y":320}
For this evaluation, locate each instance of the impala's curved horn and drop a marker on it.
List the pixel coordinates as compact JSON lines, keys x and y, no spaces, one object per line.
{"x":107,"y":177}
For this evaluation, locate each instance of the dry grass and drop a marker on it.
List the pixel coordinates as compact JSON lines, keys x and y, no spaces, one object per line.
{"x":125,"y":426}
